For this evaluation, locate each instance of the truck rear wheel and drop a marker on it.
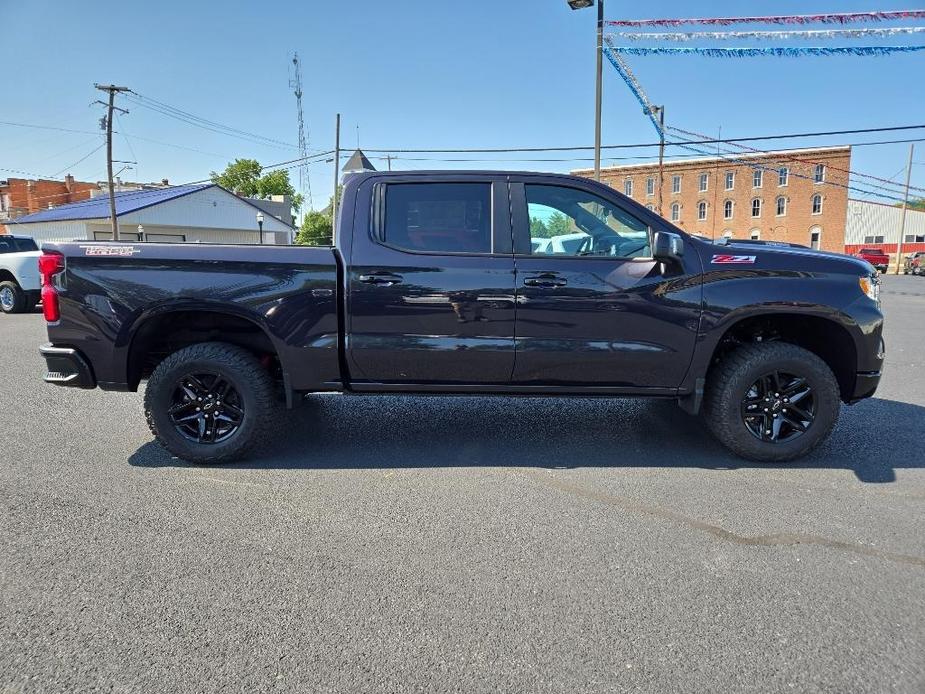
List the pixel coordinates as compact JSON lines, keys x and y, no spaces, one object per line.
{"x":12,"y":297}
{"x":210,"y":403}
{"x":771,"y":402}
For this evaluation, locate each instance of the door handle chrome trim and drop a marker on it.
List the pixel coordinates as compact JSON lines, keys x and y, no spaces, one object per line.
{"x":548,"y":282}
{"x":383,"y":280}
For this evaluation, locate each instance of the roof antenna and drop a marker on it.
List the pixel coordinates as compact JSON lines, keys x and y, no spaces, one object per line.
{"x":358,"y":135}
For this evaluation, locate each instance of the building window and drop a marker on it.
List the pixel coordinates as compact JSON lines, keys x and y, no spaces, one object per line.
{"x":915,"y":238}
{"x":727,"y":234}
{"x":781,"y":206}
{"x":819,"y":173}
{"x":675,"y":211}
{"x":704,"y":182}
{"x":628,"y":187}
{"x":783,"y":176}
{"x":728,"y":209}
{"x":730,"y":180}
{"x":756,"y":207}
{"x":817,"y":204}
{"x":873,"y":239}
{"x":815,"y":237}
{"x":701,"y":210}
{"x":757,"y":178}
{"x":650,"y":207}
{"x":755,"y":235}
{"x":675,"y":184}
{"x":650,"y":186}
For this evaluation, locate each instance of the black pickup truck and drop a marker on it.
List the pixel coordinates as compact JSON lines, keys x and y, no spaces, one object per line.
{"x":469,"y":282}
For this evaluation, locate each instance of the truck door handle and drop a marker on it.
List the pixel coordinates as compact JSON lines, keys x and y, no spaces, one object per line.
{"x":384,"y":279}
{"x":547,"y":280}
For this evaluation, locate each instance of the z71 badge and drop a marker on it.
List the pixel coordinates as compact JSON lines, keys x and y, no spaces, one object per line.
{"x":723,"y":259}
{"x":111,"y":250}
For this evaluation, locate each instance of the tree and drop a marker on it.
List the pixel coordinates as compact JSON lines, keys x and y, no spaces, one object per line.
{"x":316,"y":229}
{"x":246,"y":177}
{"x":538,"y":229}
{"x":559,"y":224}
{"x":914,"y":204}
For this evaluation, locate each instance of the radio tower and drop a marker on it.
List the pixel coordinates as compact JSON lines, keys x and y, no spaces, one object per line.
{"x":305,"y":185}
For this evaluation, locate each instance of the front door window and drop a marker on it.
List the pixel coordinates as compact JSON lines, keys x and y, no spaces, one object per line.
{"x":572,"y":222}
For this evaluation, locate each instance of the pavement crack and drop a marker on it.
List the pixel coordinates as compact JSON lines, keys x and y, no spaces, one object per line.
{"x":771,"y":540}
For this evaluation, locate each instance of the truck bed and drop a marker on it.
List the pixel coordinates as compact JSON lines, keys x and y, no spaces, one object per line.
{"x":113,"y":293}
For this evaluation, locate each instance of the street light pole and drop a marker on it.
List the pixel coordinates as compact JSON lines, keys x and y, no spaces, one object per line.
{"x":598,"y":90}
{"x":598,"y":87}
{"x":260,"y":226}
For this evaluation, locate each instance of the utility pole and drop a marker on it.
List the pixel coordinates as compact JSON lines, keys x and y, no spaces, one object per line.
{"x":902,"y":218}
{"x":598,"y":90}
{"x":336,"y":175}
{"x":661,"y":156}
{"x":112,"y":89}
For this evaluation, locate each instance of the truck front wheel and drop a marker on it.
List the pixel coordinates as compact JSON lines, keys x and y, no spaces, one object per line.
{"x":210,"y":403}
{"x":771,"y":402}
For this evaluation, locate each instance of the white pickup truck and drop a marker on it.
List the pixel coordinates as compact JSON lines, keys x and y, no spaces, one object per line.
{"x":19,"y":274}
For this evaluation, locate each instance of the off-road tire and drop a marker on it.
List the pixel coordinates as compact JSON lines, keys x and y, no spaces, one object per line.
{"x":19,"y":297}
{"x":730,"y":380}
{"x":252,"y":382}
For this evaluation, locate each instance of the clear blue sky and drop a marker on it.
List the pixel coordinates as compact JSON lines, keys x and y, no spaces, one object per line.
{"x":413,"y":73}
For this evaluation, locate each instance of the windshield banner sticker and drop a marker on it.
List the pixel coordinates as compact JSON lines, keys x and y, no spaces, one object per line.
{"x":723,"y":259}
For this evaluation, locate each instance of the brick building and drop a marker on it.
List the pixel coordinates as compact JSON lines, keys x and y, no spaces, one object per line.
{"x":20,"y":196}
{"x":798,"y":196}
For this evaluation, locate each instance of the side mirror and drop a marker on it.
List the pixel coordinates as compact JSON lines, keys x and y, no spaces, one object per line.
{"x":667,"y":247}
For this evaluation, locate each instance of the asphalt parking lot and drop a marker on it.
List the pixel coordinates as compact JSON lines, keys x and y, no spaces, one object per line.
{"x":461,"y":544}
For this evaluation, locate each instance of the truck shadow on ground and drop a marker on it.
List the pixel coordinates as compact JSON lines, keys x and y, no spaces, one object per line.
{"x":381,"y":432}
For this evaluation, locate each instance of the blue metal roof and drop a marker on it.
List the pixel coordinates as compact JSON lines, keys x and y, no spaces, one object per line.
{"x":98,"y":207}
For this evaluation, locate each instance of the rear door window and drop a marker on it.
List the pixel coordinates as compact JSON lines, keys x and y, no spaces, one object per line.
{"x":438,"y":217}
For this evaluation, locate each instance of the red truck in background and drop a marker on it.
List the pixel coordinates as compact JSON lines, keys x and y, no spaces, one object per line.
{"x":875,"y":257}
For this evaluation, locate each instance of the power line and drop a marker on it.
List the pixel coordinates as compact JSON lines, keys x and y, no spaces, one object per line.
{"x":737,"y":159}
{"x":83,"y":158}
{"x":315,"y":158}
{"x":785,"y":157}
{"x":48,"y":127}
{"x":485,"y":150}
{"x":204,"y":123}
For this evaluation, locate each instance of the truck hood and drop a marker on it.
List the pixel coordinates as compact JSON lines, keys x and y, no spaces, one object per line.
{"x":798,"y":258}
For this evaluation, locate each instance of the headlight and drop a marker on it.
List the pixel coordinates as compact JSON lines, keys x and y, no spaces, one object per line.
{"x":870,"y":286}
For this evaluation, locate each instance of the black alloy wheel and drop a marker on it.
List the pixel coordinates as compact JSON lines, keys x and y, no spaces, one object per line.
{"x":206,"y":408}
{"x":779,"y":407}
{"x":771,"y":401}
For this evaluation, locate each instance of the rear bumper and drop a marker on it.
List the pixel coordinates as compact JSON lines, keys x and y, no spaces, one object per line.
{"x":67,"y":367}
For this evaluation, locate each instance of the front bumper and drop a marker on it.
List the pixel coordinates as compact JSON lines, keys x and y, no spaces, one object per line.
{"x":67,"y":367}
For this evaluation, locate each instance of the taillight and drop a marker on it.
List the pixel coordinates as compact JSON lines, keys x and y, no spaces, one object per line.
{"x":50,"y":264}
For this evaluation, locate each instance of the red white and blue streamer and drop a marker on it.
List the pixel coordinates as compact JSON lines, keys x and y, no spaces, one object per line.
{"x":831,"y":18}
{"x":776,"y":51}
{"x":768,"y":35}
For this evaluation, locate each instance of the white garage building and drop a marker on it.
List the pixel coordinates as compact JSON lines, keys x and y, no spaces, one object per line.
{"x":875,"y":225}
{"x":203,"y":213}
